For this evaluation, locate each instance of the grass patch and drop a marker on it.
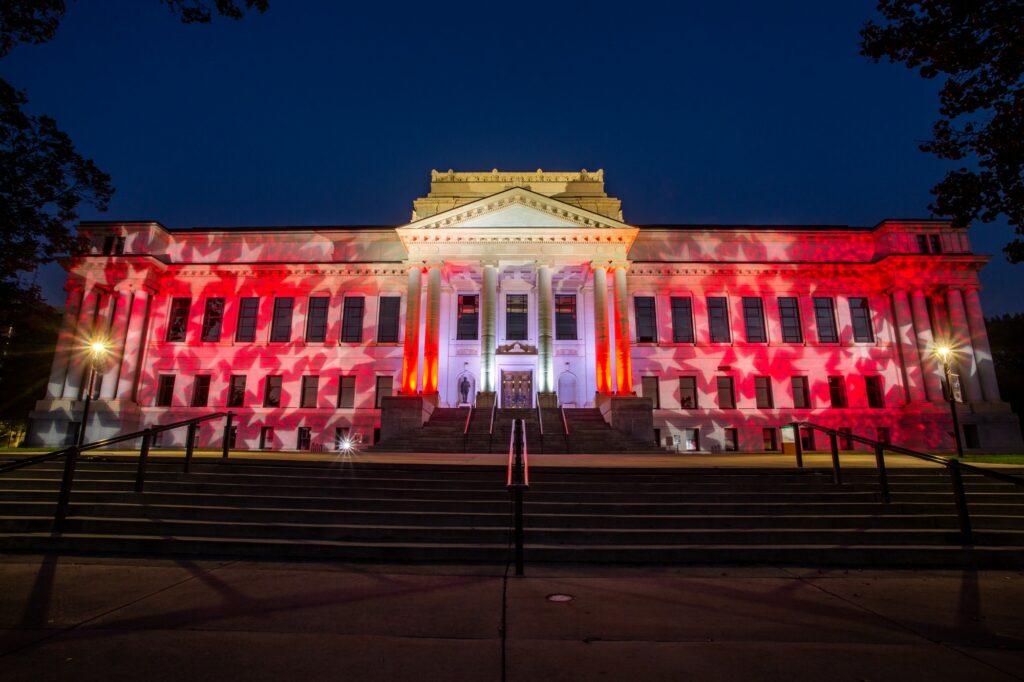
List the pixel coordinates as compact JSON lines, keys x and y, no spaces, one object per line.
{"x":995,"y":458}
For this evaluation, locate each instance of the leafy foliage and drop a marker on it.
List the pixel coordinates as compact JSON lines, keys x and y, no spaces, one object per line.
{"x":1004,"y":335}
{"x":201,"y":11}
{"x":979,"y":47}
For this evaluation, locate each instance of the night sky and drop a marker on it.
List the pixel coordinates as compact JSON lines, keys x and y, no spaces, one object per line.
{"x":334,"y":113}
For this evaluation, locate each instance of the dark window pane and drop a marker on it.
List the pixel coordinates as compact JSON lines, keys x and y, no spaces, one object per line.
{"x":565,"y":317}
{"x":236,"y":391}
{"x":825,"y":316}
{"x":316,"y":319}
{"x":383,"y":390}
{"x":873,"y":386}
{"x":936,"y":243}
{"x":272,"y":392}
{"x":860,"y":314}
{"x":753,"y":319}
{"x":266,"y":437}
{"x":248,"y":310}
{"x":387,"y":319}
{"x":922,"y":243}
{"x":213,"y":319}
{"x":304,"y":438}
{"x":347,"y":392}
{"x":718,"y":319}
{"x":837,"y":391}
{"x":352,"y":320}
{"x":726,"y":394}
{"x":682,"y":320}
{"x":201,"y":391}
{"x":469,"y":317}
{"x":281,"y":325}
{"x":119,"y":243}
{"x":108,"y":245}
{"x":770,"y":438}
{"x":646,"y":325}
{"x":515,"y":317}
{"x":688,"y":392}
{"x":801,"y":393}
{"x":649,"y":389}
{"x":177,"y":324}
{"x":763,"y":392}
{"x":310,"y":388}
{"x":882,"y":435}
{"x":789,"y":314}
{"x":732,"y":440}
{"x":165,"y":390}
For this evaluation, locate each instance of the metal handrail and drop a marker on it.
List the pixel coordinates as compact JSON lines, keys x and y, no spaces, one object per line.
{"x":517,"y":481}
{"x":465,"y":431}
{"x":72,"y":453}
{"x":565,"y":426}
{"x":490,"y":429}
{"x":953,"y":466}
{"x":540,"y":421}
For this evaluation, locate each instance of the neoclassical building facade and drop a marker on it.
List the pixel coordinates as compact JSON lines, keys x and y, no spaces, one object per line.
{"x":527,"y":287}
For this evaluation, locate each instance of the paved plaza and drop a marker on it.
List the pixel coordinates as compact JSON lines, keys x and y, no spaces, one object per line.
{"x":129,"y":619}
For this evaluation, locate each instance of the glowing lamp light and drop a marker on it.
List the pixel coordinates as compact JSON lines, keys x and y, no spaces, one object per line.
{"x":346,"y":445}
{"x":943,"y":352}
{"x":98,"y":348}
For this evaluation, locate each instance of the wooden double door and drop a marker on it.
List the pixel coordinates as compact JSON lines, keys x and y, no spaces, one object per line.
{"x":516,"y":389}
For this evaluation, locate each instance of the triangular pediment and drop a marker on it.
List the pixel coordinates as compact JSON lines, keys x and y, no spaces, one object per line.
{"x":516,"y":207}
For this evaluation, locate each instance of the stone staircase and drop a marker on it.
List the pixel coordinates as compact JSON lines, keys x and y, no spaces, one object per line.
{"x":341,"y":510}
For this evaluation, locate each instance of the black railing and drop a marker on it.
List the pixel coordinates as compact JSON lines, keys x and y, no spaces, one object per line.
{"x":565,"y":427}
{"x":465,"y":430}
{"x":517,"y":481}
{"x":72,"y":453}
{"x":954,"y":466}
{"x":490,"y":429}
{"x":540,"y":422}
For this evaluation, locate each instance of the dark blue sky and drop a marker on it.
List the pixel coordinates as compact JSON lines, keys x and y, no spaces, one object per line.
{"x":326,"y":112}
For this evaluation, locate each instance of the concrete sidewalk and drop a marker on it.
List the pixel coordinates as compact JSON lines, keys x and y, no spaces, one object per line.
{"x":120,"y":619}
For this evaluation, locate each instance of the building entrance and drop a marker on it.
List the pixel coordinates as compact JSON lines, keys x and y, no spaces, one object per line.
{"x":517,"y":389}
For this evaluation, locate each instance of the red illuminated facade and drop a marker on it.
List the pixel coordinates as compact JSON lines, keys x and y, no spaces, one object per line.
{"x":521,"y":287}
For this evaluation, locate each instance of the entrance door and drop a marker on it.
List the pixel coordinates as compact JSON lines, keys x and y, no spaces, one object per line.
{"x":517,"y":389}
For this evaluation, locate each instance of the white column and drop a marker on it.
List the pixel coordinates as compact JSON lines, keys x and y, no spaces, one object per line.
{"x":601,"y":350}
{"x":433,"y":328}
{"x":410,"y":361}
{"x":961,"y":336}
{"x":134,"y":344}
{"x":623,"y":359}
{"x":545,"y":335}
{"x":982,"y":350}
{"x":65,"y":344}
{"x":83,"y":329}
{"x":926,"y":347}
{"x":488,"y":329}
{"x":907,"y":339}
{"x":118,"y":331}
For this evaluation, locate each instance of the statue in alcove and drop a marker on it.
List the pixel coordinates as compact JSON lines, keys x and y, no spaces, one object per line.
{"x":464,"y":387}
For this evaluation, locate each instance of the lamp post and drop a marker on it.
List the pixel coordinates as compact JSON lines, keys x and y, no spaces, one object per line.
{"x":945,"y":354}
{"x":97,"y":350}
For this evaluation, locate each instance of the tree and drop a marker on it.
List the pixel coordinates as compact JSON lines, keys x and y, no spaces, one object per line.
{"x":978,"y":46}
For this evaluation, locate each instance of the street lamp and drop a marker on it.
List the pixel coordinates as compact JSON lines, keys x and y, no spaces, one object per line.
{"x":97,"y":350}
{"x":945,"y":354}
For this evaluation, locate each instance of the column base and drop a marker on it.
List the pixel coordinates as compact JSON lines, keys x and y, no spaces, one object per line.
{"x":485,"y":399}
{"x":547,"y":400}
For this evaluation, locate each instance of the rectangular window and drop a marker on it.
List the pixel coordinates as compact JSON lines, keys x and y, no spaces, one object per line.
{"x":726,"y":393}
{"x":165,"y":390}
{"x":304,"y":438}
{"x":682,"y":320}
{"x":177,"y":324}
{"x":763,"y":392}
{"x":837,"y":391}
{"x":515,"y":317}
{"x":873,"y":387}
{"x":845,"y":441}
{"x":387,"y":319}
{"x":789,"y":315}
{"x":646,"y":326}
{"x":272,"y":391}
{"x":233,"y":438}
{"x":860,"y":314}
{"x":266,"y":437}
{"x":565,"y":317}
{"x":922,"y":243}
{"x":718,"y":319}
{"x":882,"y":435}
{"x":825,"y":316}
{"x":352,"y":320}
{"x":468,"y":327}
{"x":936,"y":243}
{"x":341,"y":441}
{"x":281,"y":325}
{"x":649,"y":389}
{"x":801,"y":393}
{"x":201,"y":391}
{"x":688,"y":392}
{"x":732,"y":440}
{"x":770,"y":438}
{"x":807,"y":439}
{"x":310,"y":388}
{"x":753,"y":319}
{"x":691,"y":440}
{"x":383,"y":390}
{"x":248,"y":311}
{"x":347,"y":392}
{"x":236,"y":391}
{"x":108,"y":245}
{"x":213,"y":319}
{"x":316,"y":319}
